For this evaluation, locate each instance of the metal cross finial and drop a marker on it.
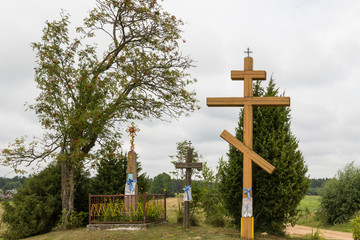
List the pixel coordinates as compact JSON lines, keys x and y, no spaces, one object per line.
{"x":248,"y":52}
{"x":132,"y":133}
{"x":189,"y":143}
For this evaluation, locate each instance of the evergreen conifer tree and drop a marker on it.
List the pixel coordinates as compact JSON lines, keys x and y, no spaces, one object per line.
{"x":111,"y":175}
{"x":276,"y":196}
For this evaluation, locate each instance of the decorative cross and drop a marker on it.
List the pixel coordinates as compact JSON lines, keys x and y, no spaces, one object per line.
{"x":132,"y":133}
{"x":248,"y":52}
{"x":248,"y":101}
{"x":188,"y":166}
{"x":131,"y":187}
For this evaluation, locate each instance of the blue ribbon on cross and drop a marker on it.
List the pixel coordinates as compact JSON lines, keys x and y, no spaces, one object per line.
{"x":186,"y":189}
{"x":247,"y":191}
{"x":129,"y":182}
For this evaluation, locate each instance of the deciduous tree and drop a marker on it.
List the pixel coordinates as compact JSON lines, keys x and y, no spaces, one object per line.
{"x":86,"y":93}
{"x":340,"y":195}
{"x":162,"y":183}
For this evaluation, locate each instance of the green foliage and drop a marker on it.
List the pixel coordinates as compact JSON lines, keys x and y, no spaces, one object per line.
{"x":11,"y":183}
{"x":75,"y":219}
{"x":161,"y":183}
{"x":317,"y":235}
{"x":276,"y":196}
{"x":194,"y":219}
{"x":36,"y":207}
{"x":316,"y":186}
{"x":355,"y":227}
{"x":111,"y":175}
{"x":180,"y":157}
{"x":85,"y":94}
{"x":206,"y":196}
{"x":317,"y":182}
{"x":340,"y":195}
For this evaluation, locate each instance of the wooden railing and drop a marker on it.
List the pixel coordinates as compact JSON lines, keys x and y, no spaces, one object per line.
{"x":142,"y":208}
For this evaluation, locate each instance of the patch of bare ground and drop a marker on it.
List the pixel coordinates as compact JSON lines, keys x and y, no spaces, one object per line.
{"x":299,"y":230}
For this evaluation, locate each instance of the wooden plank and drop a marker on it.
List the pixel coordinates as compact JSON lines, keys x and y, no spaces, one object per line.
{"x":254,"y":75}
{"x":246,"y":230}
{"x":248,"y":64}
{"x":188,"y":165}
{"x":247,"y":151}
{"x":248,"y":140}
{"x":242,"y":101}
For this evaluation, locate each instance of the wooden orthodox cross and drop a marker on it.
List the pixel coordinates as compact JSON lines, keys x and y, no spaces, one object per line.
{"x":131,"y":187}
{"x":187,"y":197}
{"x":248,"y":101}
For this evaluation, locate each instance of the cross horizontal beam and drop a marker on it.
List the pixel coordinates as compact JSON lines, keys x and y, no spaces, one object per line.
{"x":242,"y":101}
{"x":247,"y":151}
{"x":188,"y":165}
{"x":254,"y":75}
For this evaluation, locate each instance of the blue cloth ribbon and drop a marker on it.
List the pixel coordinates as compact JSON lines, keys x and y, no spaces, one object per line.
{"x":186,"y":189}
{"x":247,"y":191}
{"x":130,"y":181}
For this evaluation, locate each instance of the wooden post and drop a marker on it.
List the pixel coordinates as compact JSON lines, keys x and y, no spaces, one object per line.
{"x":248,"y":141}
{"x":188,"y":166}
{"x":131,"y":186}
{"x":248,"y":101}
{"x":187,"y":183}
{"x":131,"y":173}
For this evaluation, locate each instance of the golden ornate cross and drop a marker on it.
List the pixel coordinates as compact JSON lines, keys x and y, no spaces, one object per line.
{"x":248,"y":101}
{"x":132,"y":133}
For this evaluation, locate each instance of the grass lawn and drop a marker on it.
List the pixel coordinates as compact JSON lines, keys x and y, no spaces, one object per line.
{"x":170,"y":230}
{"x":165,"y":231}
{"x":308,"y":208}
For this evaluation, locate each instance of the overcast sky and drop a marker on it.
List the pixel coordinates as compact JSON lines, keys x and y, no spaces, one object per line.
{"x":311,"y":47}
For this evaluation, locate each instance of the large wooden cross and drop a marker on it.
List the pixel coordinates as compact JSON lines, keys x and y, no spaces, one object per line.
{"x":188,"y":166}
{"x":248,"y":101}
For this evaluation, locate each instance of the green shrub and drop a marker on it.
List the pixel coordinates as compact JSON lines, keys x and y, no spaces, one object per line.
{"x":315,"y":235}
{"x":76,"y":219}
{"x":340,"y":195}
{"x":36,"y":207}
{"x":355,"y":227}
{"x":206,"y":195}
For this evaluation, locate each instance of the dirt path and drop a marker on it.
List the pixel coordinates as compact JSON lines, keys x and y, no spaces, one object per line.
{"x":299,"y":230}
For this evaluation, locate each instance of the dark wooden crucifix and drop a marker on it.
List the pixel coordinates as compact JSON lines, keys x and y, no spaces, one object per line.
{"x":248,"y":101}
{"x":188,"y":165}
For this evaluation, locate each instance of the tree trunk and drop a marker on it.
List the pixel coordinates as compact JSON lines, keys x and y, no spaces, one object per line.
{"x":67,"y":191}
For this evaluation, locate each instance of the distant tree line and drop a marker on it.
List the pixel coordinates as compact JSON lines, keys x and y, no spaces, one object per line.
{"x":316,"y":185}
{"x":12,"y":183}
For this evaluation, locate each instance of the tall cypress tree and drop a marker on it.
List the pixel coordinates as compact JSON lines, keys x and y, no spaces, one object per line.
{"x":276,"y":196}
